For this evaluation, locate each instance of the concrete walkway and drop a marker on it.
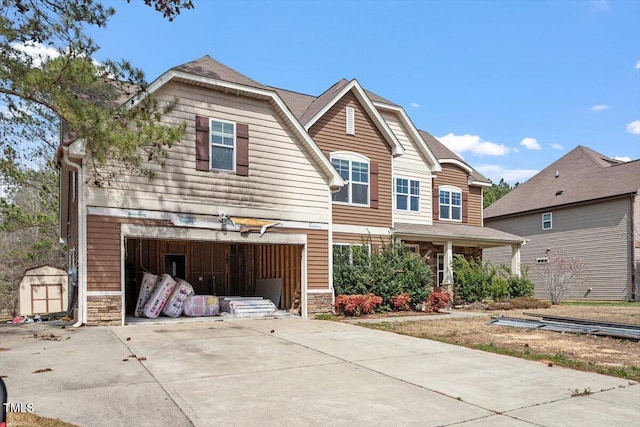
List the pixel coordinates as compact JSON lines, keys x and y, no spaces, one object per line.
{"x":292,"y":372}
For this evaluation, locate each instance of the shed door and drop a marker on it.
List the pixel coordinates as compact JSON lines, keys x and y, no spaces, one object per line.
{"x":46,"y":298}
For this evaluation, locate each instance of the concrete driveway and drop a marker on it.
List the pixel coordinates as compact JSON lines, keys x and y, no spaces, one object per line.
{"x":293,"y":372}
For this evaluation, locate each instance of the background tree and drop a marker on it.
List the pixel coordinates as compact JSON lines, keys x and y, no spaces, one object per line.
{"x":493,"y":193}
{"x":48,"y":77}
{"x":28,"y":229}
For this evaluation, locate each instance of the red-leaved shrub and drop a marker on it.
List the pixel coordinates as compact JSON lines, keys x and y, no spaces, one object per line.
{"x":401,"y":302}
{"x":437,"y":301}
{"x":357,"y":305}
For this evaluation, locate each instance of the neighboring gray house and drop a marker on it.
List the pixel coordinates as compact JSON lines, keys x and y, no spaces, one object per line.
{"x":584,"y":205}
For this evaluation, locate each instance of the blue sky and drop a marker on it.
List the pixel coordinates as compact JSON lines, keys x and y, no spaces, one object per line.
{"x":511,"y":86}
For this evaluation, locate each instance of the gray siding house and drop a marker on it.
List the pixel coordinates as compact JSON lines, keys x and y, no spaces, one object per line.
{"x":584,"y":205}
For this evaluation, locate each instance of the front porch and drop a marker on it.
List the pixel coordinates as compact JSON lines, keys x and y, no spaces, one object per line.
{"x":438,"y":243}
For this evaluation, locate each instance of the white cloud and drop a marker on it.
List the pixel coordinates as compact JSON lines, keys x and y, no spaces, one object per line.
{"x":557,"y":146}
{"x":37,"y":51}
{"x":474,"y":144}
{"x":623,"y":158}
{"x":638,"y":65}
{"x":516,"y":150}
{"x":600,"y":5}
{"x":599,"y":107}
{"x":634,"y":127}
{"x":496,"y":172}
{"x":415,"y":105}
{"x":530,"y":143}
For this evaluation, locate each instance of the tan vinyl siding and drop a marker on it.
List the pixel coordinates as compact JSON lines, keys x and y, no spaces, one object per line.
{"x":457,"y":177}
{"x":103,"y":254}
{"x":282,"y":176}
{"x":329,"y":132}
{"x":317,"y":259}
{"x":411,"y":165}
{"x":598,"y":233}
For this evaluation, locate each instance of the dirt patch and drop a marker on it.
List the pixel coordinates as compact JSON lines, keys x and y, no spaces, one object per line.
{"x":586,"y":349}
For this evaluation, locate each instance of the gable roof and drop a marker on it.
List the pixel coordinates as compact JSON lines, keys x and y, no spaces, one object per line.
{"x":209,"y":67}
{"x":331,"y":96}
{"x":581,"y":175}
{"x":445,"y":155}
{"x":210,"y":73}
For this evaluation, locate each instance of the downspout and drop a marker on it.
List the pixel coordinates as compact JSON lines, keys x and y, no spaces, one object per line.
{"x":82,"y":268}
{"x":330,"y":252}
{"x":633,"y":237}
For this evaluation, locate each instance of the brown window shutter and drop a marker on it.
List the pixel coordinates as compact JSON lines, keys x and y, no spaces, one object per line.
{"x":373,"y":185}
{"x":465,"y":206}
{"x":242,"y":149}
{"x":436,"y":202}
{"x":202,"y":144}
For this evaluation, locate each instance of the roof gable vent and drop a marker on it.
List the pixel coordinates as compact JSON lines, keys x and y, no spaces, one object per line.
{"x":351,"y":121}
{"x":559,"y":192}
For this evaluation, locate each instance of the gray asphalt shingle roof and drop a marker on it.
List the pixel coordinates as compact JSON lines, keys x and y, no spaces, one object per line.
{"x":305,"y":107}
{"x":441,"y":230}
{"x":579,"y":176}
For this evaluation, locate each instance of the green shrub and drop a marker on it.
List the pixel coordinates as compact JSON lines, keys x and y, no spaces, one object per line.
{"x":520,"y":286}
{"x":389,"y":272}
{"x":472,"y":278}
{"x":475,"y":281}
{"x":498,"y":288}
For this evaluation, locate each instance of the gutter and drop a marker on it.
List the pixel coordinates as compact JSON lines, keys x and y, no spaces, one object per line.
{"x":82,"y":252}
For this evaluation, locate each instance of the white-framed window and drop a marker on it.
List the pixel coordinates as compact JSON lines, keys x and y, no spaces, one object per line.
{"x":354,"y":169}
{"x":450,"y":204}
{"x":222,"y":135}
{"x":440,"y":267}
{"x":407,"y":194}
{"x":350,"y":112}
{"x":351,"y":253}
{"x":547,"y":221}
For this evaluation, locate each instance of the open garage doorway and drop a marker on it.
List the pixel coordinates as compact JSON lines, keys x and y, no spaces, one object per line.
{"x":273,"y":271}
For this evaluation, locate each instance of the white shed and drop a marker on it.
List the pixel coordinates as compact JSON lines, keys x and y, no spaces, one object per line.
{"x":43,"y":290}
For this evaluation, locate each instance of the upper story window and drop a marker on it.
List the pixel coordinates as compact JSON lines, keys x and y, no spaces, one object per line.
{"x":354,"y":169}
{"x":223,"y":137}
{"x":450,"y":204}
{"x":547,"y":221}
{"x":222,"y":146}
{"x":407,"y":194}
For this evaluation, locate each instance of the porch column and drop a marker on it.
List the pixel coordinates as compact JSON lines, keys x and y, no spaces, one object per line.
{"x":515,"y":259}
{"x":447,"y":261}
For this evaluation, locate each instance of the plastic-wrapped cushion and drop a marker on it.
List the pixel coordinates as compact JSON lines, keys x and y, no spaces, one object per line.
{"x":181,"y":291}
{"x":146,"y":289}
{"x":202,"y":305}
{"x":159,"y":297}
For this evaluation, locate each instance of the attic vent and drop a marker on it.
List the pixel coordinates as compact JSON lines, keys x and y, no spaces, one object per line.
{"x":559,"y":192}
{"x":351,"y":121}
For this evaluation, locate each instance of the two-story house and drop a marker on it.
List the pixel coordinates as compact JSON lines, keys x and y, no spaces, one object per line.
{"x":264,"y":185}
{"x":585,"y":205}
